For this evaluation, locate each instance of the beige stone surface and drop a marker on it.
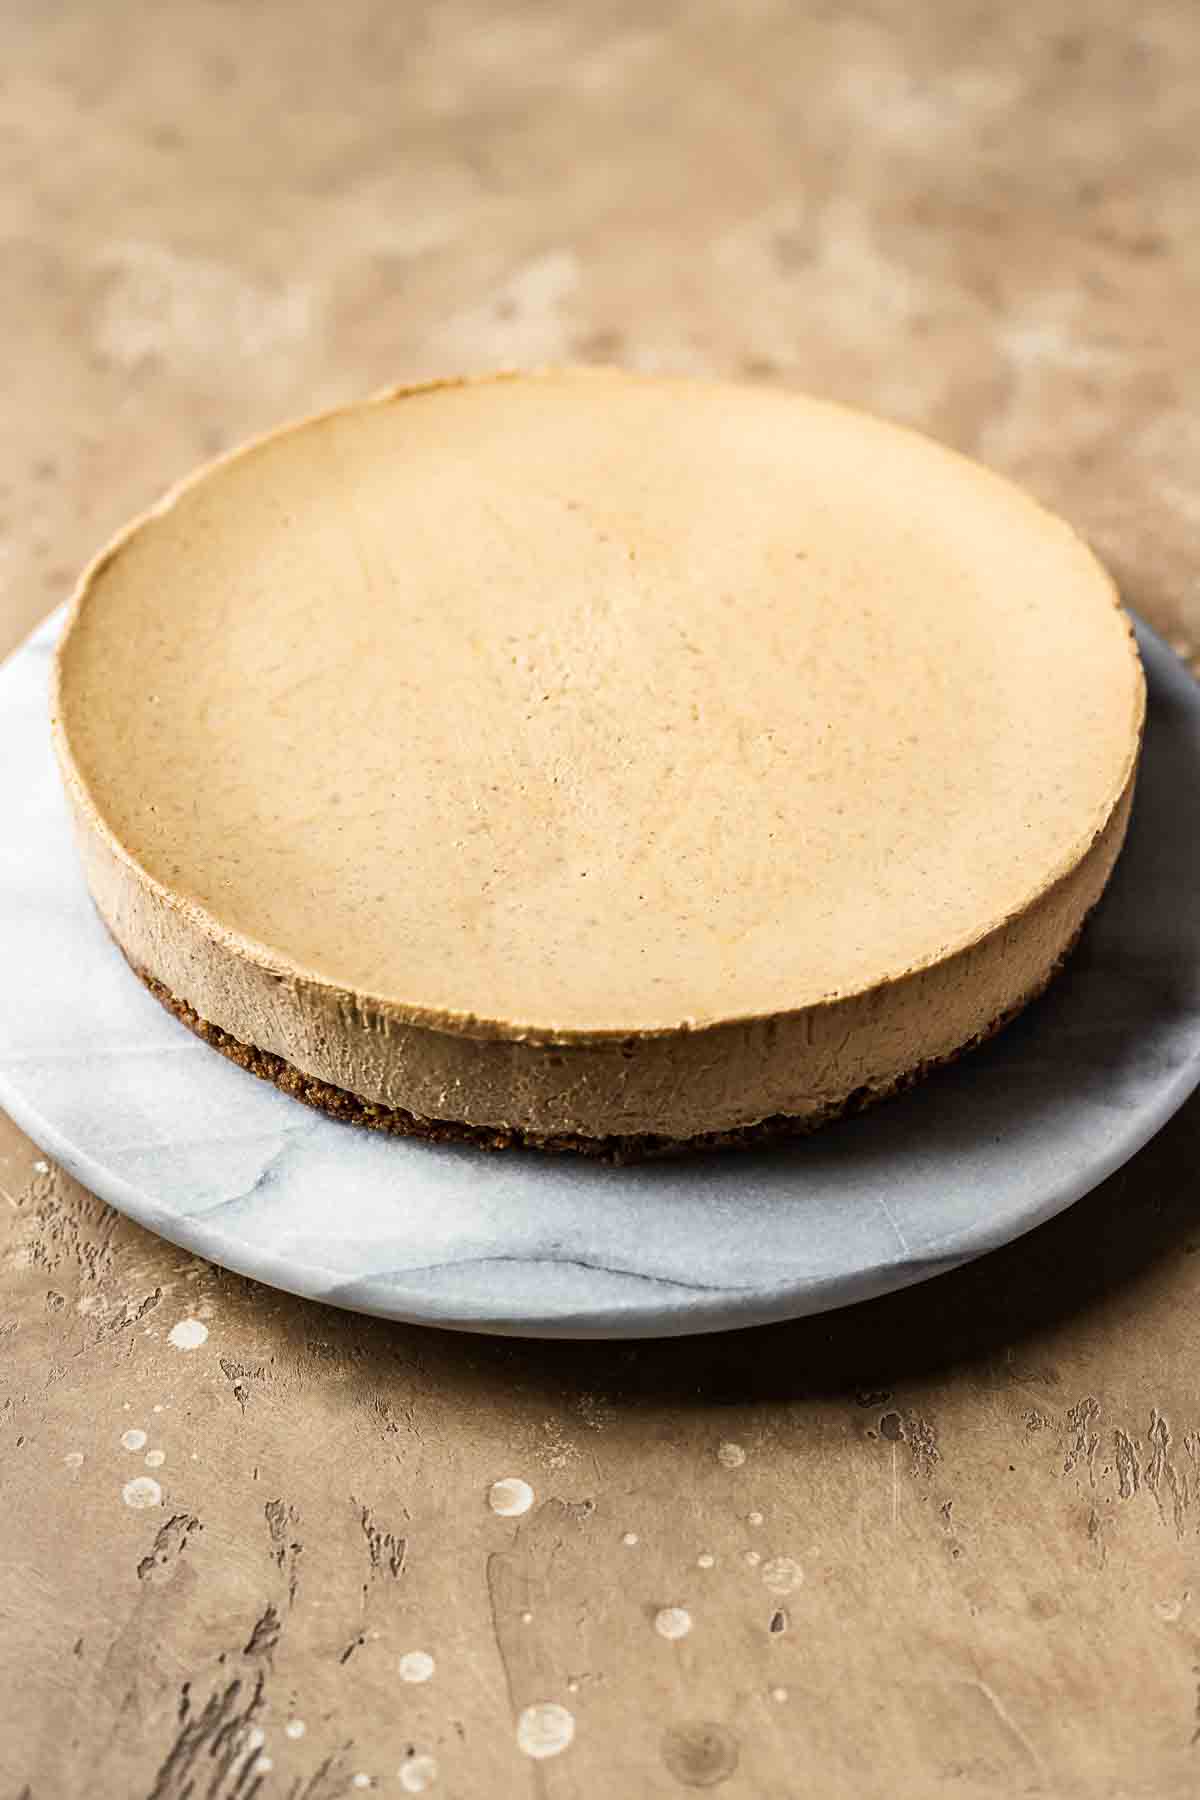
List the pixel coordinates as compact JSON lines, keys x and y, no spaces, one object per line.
{"x":957,"y":1550}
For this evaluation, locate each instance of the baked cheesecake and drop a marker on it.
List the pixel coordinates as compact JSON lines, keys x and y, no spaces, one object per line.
{"x":596,"y":761}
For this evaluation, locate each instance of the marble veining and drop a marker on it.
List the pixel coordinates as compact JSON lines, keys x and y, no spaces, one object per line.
{"x":228,"y":1166}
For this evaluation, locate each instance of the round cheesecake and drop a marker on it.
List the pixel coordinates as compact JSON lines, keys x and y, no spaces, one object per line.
{"x":598,"y":761}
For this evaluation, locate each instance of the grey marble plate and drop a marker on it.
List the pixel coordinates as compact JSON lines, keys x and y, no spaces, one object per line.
{"x":172,"y":1134}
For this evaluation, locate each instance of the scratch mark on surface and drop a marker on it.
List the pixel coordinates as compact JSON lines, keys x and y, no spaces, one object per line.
{"x":1008,"y":1722}
{"x":886,"y":1210}
{"x":508,"y":1597}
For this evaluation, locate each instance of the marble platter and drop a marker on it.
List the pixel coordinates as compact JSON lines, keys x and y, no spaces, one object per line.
{"x":194,"y":1149}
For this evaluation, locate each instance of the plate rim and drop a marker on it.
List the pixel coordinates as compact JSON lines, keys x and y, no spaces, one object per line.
{"x":727,"y":1307}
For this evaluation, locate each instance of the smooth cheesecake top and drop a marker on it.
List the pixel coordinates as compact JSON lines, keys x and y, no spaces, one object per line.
{"x":581,"y":702}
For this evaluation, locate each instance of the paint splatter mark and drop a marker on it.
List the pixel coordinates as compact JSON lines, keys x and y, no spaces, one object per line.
{"x":141,"y":1492}
{"x":1129,"y":1466}
{"x":169,"y":1545}
{"x":558,"y":1451}
{"x":700,"y":1754}
{"x":156,"y":1409}
{"x":133,"y":1440}
{"x":282,"y":1521}
{"x":41,"y":1167}
{"x":730,"y":1456}
{"x":416,"y":1665}
{"x":417,"y":1774}
{"x":779,"y":1695}
{"x":361,"y":1780}
{"x":265,"y":1635}
{"x":1169,"y":1611}
{"x":1086,"y":1442}
{"x":1161,"y":1472}
{"x":384,"y":1548}
{"x":256,"y":1737}
{"x":74,"y":1459}
{"x":263,"y":1766}
{"x":923,"y":1446}
{"x":673,"y":1622}
{"x":155,"y":1459}
{"x":754,"y":1518}
{"x":706,"y":1560}
{"x":510,"y":1497}
{"x":753,"y":1558}
{"x":527,"y":1618}
{"x":295,"y":1728}
{"x":188,"y":1334}
{"x":783,"y":1574}
{"x":630,"y":1539}
{"x":544,"y":1729}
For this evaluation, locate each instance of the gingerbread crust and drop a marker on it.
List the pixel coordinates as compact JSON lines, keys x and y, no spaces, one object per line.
{"x":347,"y":1107}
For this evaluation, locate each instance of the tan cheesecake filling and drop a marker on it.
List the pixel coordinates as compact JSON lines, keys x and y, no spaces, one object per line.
{"x":580,"y":753}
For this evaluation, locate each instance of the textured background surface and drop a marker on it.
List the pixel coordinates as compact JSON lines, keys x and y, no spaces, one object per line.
{"x":978,"y":221}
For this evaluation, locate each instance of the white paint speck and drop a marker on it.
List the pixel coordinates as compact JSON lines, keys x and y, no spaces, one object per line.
{"x":510,"y":1497}
{"x":188,"y":1334}
{"x":256,"y":1737}
{"x":753,"y":1558}
{"x":157,"y":1409}
{"x":705,"y":1560}
{"x":263,"y":1766}
{"x":673,"y":1622}
{"x":754,"y":1518}
{"x":783,"y":1574}
{"x":544,"y":1729}
{"x":779,"y":1695}
{"x":133,"y":1440}
{"x":630,"y":1539}
{"x":155,"y":1459}
{"x":417,"y":1774}
{"x":730,"y":1456}
{"x":416,"y":1665}
{"x":295,"y":1728}
{"x":141,"y":1492}
{"x":527,"y":1618}
{"x":74,"y":1459}
{"x":361,"y":1780}
{"x":1171,"y":1610}
{"x":41,"y":1166}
